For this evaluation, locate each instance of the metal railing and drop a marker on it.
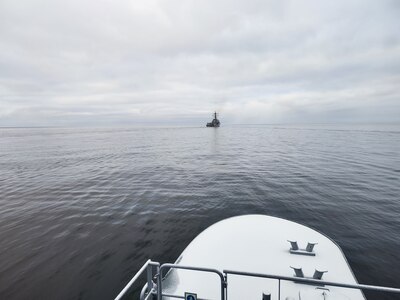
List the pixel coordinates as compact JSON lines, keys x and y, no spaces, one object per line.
{"x":150,"y":267}
{"x":154,"y":272}
{"x":312,"y":281}
{"x":175,"y":266}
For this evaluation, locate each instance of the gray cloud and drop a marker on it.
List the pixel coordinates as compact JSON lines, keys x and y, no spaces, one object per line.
{"x":170,"y":61}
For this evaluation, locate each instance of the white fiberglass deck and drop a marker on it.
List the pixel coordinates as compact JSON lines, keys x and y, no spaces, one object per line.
{"x":257,"y":243}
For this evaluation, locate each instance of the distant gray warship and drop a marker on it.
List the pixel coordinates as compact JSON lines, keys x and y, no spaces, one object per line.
{"x":215,"y":122}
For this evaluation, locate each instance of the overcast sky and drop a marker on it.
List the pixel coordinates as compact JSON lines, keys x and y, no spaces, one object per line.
{"x":102,"y":62}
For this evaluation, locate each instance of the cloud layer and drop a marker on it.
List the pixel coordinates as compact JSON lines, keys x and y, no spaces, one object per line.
{"x":175,"y":61}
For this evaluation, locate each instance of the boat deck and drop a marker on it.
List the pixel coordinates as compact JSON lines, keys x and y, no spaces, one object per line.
{"x":259,"y":244}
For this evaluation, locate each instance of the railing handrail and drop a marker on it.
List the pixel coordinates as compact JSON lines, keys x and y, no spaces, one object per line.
{"x":183,"y":267}
{"x":316,"y":281}
{"x":150,"y":265}
{"x":202,"y":269}
{"x":134,"y":278}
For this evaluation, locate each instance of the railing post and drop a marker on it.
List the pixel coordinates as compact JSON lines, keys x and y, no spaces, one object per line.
{"x":159,"y":287}
{"x":223,"y":288}
{"x":152,"y":271}
{"x":279,"y":289}
{"x":226,"y":285}
{"x":150,"y":283}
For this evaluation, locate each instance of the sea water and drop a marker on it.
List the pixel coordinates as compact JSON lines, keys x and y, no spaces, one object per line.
{"x":82,"y":209}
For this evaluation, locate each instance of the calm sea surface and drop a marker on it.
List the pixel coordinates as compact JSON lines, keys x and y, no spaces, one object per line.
{"x":82,"y":209}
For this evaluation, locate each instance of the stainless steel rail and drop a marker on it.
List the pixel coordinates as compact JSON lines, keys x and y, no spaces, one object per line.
{"x":154,"y":270}
{"x":147,"y":266}
{"x":316,"y":281}
{"x":175,"y":266}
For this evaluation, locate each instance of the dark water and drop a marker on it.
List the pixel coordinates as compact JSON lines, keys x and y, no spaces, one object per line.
{"x":82,"y":209}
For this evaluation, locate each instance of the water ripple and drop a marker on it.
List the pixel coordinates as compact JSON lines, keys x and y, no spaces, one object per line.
{"x":82,"y":209}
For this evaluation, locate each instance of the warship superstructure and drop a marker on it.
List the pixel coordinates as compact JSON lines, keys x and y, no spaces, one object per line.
{"x":215,"y":122}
